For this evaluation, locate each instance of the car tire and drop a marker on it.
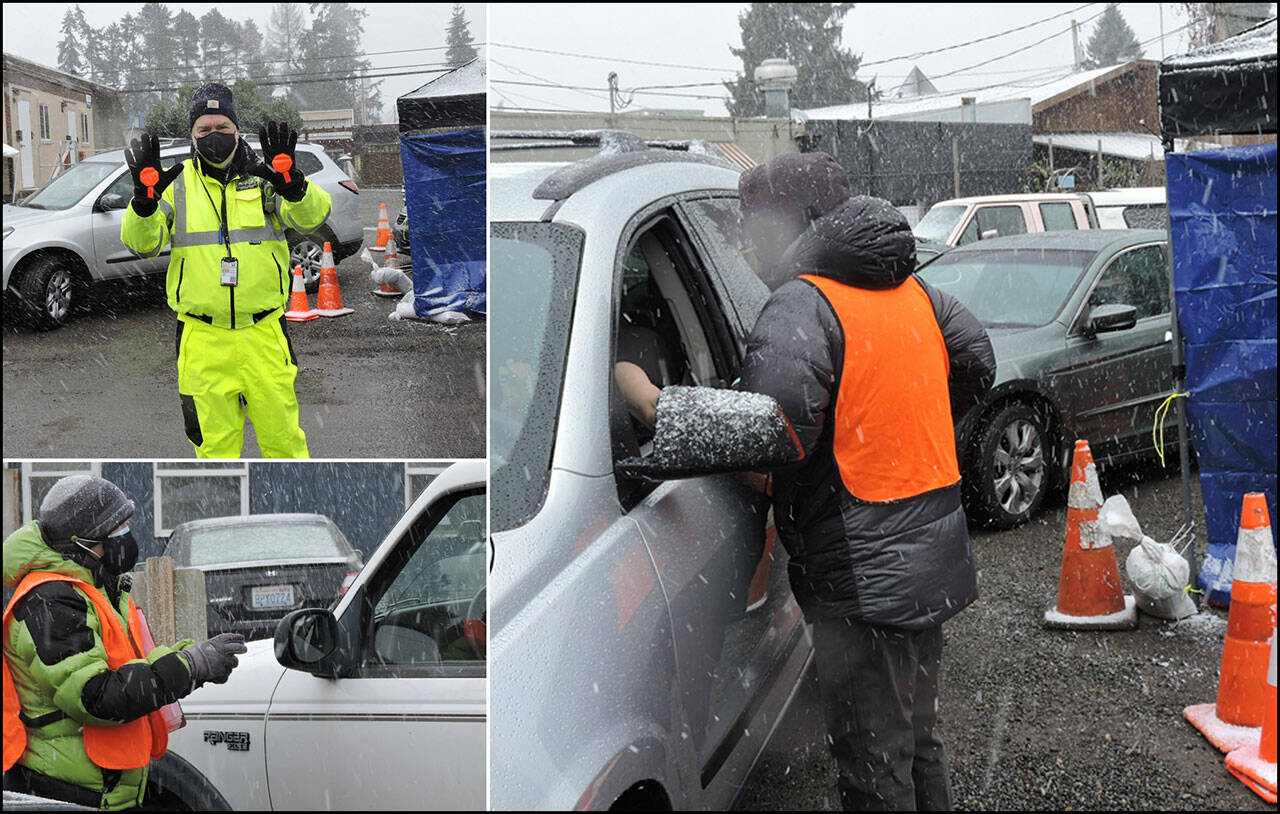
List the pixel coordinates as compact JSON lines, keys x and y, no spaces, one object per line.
{"x":305,"y":251}
{"x":1009,"y":468}
{"x":50,"y":291}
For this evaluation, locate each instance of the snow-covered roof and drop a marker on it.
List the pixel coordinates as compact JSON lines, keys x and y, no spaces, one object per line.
{"x":1143,"y":146}
{"x":1041,"y":93}
{"x":1257,"y":43}
{"x":462,"y":81}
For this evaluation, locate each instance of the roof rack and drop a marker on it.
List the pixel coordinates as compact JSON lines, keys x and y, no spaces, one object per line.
{"x":619,"y":150}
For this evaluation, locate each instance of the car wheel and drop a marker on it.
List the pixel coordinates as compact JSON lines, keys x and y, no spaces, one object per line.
{"x":306,"y":253}
{"x":50,"y":291}
{"x":1010,"y":467}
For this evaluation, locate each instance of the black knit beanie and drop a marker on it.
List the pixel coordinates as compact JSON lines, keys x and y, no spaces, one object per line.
{"x":213,"y":98}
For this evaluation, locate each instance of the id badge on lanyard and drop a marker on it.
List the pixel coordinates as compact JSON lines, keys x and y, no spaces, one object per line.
{"x":230,"y":271}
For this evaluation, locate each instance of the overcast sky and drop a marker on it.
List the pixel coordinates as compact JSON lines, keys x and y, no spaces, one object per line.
{"x":31,"y":31}
{"x":699,"y":36}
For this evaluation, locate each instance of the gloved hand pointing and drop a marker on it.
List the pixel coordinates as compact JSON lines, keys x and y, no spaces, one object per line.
{"x":149,"y":181}
{"x":278,"y":141}
{"x":214,"y":659}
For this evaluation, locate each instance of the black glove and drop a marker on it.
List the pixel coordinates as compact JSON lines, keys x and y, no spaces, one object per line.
{"x":279,"y":139}
{"x":214,"y":659}
{"x":145,"y":155}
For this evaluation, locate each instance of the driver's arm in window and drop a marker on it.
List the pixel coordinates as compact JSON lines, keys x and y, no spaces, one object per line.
{"x":640,"y":394}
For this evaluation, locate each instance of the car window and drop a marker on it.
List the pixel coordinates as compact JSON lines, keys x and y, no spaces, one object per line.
{"x":1006,"y":220}
{"x":122,"y":186}
{"x":970,"y":233}
{"x":938,"y":222}
{"x":670,"y":324}
{"x":1009,"y":288}
{"x":534,"y":275}
{"x":309,"y":163}
{"x":431,"y":611}
{"x":716,"y":221}
{"x":256,"y":542}
{"x":1138,"y":277}
{"x":1146,"y":216}
{"x":71,"y":186}
{"x":1057,"y":217}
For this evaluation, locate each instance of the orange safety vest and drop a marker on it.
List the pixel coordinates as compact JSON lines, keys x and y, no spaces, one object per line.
{"x":130,"y":745}
{"x":894,"y":437}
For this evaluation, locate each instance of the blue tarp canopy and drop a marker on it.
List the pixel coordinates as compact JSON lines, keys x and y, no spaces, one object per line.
{"x":1222,"y":209}
{"x":442,"y":150}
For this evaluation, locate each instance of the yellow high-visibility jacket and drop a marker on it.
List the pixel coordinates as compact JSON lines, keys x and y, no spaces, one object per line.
{"x":188,"y":217}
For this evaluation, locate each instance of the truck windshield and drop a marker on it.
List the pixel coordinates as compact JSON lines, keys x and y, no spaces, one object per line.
{"x":938,"y":224}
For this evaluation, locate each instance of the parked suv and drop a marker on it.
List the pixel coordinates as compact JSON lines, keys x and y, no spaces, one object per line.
{"x":65,"y":238}
{"x":377,"y":704}
{"x":645,"y":639}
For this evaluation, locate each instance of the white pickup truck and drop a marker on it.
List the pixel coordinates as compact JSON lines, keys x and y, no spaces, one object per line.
{"x":959,"y":221}
{"x":377,"y":703}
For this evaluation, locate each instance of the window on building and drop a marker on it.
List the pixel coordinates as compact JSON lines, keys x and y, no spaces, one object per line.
{"x":46,"y":130}
{"x":39,"y":476}
{"x":84,"y":127}
{"x":194,"y":491}
{"x":417,"y":477}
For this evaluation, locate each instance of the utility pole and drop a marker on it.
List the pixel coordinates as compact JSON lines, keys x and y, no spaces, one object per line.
{"x":1075,"y":45}
{"x":363,"y":71}
{"x":613,"y":93}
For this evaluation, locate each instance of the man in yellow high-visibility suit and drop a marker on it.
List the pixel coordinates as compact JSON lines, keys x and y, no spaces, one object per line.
{"x":229,"y":275}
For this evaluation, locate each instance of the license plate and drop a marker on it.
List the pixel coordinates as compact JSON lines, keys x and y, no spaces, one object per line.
{"x":270,"y":597}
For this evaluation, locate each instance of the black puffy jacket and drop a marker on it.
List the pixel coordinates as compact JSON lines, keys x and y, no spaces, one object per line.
{"x":903,"y":563}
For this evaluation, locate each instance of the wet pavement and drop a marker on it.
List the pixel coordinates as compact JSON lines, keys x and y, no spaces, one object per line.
{"x":1037,"y":719}
{"x":105,"y":386}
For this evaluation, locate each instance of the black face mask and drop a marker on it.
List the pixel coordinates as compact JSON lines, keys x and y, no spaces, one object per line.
{"x":216,"y":148}
{"x":119,"y":553}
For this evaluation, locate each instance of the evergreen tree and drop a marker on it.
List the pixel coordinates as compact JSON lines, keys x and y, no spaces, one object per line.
{"x":1112,"y":41}
{"x":286,"y":30}
{"x":70,"y":58}
{"x":459,"y":39}
{"x":808,"y":36}
{"x":329,"y":51}
{"x":218,"y":45}
{"x":155,"y":54}
{"x":186,"y":49}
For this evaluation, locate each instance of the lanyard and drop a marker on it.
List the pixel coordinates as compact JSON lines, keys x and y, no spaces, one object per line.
{"x":223,"y":234}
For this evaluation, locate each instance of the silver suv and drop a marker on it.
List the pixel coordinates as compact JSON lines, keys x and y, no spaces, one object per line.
{"x":645,"y":641}
{"x":65,"y":237}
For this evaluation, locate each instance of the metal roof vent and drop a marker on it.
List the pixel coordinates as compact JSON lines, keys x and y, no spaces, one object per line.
{"x":775,"y":78}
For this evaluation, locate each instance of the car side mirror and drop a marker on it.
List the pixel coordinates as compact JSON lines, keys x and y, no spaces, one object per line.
{"x":708,"y":431}
{"x":989,"y":233}
{"x":110,"y":201}
{"x":1111,"y":317}
{"x":305,"y":639}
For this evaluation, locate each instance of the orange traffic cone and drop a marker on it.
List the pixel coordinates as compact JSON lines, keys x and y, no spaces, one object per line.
{"x":1237,"y":716}
{"x":1255,"y":764}
{"x":329,"y":298}
{"x":299,"y":307}
{"x":384,"y":228}
{"x":390,"y":261}
{"x":1089,"y":593}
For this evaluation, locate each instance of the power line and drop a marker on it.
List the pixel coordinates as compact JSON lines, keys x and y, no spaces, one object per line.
{"x":1015,"y":51}
{"x":613,"y":59}
{"x":972,"y":42}
{"x":352,"y":77}
{"x":326,"y":58}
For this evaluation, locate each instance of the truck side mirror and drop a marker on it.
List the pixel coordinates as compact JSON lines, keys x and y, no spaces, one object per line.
{"x":989,"y":233}
{"x":305,"y":638}
{"x":709,"y":431}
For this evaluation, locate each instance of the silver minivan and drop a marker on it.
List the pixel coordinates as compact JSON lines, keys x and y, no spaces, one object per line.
{"x":64,"y":238}
{"x":644,"y":639}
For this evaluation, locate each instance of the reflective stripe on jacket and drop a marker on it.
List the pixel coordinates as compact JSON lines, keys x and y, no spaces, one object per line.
{"x":130,"y":745}
{"x":189,"y":217}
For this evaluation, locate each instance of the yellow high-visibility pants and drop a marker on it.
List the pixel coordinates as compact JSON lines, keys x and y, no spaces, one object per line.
{"x":224,"y":374}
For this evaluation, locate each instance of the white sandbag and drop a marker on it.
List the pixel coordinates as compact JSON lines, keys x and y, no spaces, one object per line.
{"x":1156,"y":569}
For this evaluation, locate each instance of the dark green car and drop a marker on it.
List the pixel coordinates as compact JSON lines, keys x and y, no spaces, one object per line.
{"x":1080,"y":323}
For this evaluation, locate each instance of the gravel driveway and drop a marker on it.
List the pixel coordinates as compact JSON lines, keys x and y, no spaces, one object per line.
{"x":1037,"y":719}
